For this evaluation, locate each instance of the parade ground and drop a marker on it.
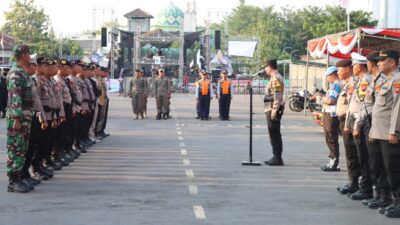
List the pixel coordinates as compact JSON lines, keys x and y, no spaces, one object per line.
{"x":185,"y":171}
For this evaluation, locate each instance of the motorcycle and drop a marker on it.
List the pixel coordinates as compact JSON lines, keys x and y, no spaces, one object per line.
{"x":296,"y":101}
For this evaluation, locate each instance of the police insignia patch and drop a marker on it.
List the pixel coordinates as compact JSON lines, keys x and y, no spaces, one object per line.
{"x":396,"y":87}
{"x":277,"y":86}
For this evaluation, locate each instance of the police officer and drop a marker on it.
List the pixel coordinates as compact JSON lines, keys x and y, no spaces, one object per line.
{"x":43,"y":146}
{"x":204,"y":94}
{"x":349,"y":82}
{"x":77,"y":109}
{"x":103,"y":106}
{"x":196,"y":83}
{"x":225,"y":95}
{"x":383,"y":195}
{"x":353,"y":113}
{"x":85,"y":110}
{"x":3,"y":92}
{"x":38,"y":123}
{"x":273,"y":108}
{"x":385,"y":130}
{"x":330,"y":119}
{"x":138,"y":92}
{"x":18,"y":118}
{"x":162,"y":93}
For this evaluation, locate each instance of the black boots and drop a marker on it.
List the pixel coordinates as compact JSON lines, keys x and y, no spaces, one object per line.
{"x":332,"y":166}
{"x":275,"y":161}
{"x":349,"y":188}
{"x":15,"y":184}
{"x":158,"y":117}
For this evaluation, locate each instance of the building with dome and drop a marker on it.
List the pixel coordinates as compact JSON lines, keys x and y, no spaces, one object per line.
{"x":170,"y":18}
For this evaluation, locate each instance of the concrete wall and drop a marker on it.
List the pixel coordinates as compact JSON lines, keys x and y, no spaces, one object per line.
{"x":297,"y":77}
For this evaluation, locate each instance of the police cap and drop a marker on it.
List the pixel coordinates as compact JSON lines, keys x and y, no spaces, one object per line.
{"x":344,"y":63}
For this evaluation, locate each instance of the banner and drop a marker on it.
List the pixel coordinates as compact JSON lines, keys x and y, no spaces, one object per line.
{"x":242,"y":48}
{"x":113,"y":85}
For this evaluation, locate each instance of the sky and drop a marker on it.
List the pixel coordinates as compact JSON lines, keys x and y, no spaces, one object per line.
{"x":74,"y":16}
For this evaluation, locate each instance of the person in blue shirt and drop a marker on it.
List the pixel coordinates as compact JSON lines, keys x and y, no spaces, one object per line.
{"x":330,"y":119}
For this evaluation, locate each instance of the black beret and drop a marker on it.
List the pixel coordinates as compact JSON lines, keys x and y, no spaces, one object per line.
{"x":384,"y":54}
{"x":372,"y":56}
{"x":78,"y":62}
{"x":273,"y":63}
{"x":344,"y":63}
{"x":41,"y":61}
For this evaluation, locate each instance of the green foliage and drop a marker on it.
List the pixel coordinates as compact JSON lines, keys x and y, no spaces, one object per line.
{"x":289,"y":28}
{"x":30,"y":25}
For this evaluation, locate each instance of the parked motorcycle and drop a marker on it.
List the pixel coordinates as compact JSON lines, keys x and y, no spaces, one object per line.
{"x":296,"y":101}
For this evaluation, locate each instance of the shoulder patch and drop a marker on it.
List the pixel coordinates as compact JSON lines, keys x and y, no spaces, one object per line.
{"x":277,"y":86}
{"x":396,"y":87}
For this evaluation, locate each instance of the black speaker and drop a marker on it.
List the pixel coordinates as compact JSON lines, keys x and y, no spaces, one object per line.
{"x":103,"y":37}
{"x":217,"y":39}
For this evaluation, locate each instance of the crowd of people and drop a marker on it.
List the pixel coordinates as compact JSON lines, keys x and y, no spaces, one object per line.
{"x":363,"y":102}
{"x":56,"y":110}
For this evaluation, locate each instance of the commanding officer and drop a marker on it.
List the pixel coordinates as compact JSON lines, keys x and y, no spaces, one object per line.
{"x":331,"y":122}
{"x":224,"y":94}
{"x":353,"y":113}
{"x":345,"y":73}
{"x":385,"y":130}
{"x":138,"y":92}
{"x":383,"y":195}
{"x":18,"y":118}
{"x":162,"y":92}
{"x":273,"y":108}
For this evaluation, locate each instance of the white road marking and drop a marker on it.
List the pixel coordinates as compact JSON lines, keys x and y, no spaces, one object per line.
{"x":180,"y":138}
{"x":183,"y":152}
{"x":229,"y":125}
{"x":193,"y":189}
{"x":179,"y":132}
{"x":186,"y":162}
{"x":182,"y":124}
{"x":178,"y":128}
{"x":189,"y":174}
{"x":199,"y":212}
{"x":182,"y":144}
{"x":177,"y":125}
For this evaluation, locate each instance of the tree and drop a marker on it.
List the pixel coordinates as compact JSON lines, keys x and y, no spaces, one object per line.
{"x":30,"y":25}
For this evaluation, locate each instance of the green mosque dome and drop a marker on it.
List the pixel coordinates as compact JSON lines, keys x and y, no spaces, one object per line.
{"x":170,"y":18}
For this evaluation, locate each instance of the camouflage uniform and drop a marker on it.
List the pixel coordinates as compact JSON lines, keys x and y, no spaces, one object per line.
{"x":20,"y":102}
{"x":162,"y":92}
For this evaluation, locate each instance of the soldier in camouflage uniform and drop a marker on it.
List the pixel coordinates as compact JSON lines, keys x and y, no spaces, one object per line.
{"x":138,"y":92}
{"x":162,"y":92}
{"x":18,"y":118}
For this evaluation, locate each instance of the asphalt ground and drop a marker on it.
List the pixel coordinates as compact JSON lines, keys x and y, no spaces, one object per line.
{"x":186,"y":171}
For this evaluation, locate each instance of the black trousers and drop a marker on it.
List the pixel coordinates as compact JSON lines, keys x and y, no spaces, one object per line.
{"x":331,"y":130}
{"x":391,"y":163}
{"x":78,"y":126}
{"x":32,"y":147}
{"x":106,"y":115}
{"x":353,"y":166}
{"x":45,"y":145}
{"x":204,"y":101}
{"x":377,"y":168}
{"x":275,"y":136}
{"x":363,"y":159}
{"x":198,"y":108}
{"x":224,"y":106}
{"x":63,"y":134}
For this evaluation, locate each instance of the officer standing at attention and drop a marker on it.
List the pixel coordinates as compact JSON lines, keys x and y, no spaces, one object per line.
{"x":204,"y":94}
{"x":364,"y":79}
{"x":3,"y":92}
{"x":273,"y":108}
{"x":18,"y":118}
{"x":162,"y":92}
{"x":330,"y":119}
{"x":385,"y":130}
{"x":383,"y":196}
{"x":224,"y":94}
{"x":138,"y":92}
{"x":349,"y":82}
{"x":38,"y":123}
